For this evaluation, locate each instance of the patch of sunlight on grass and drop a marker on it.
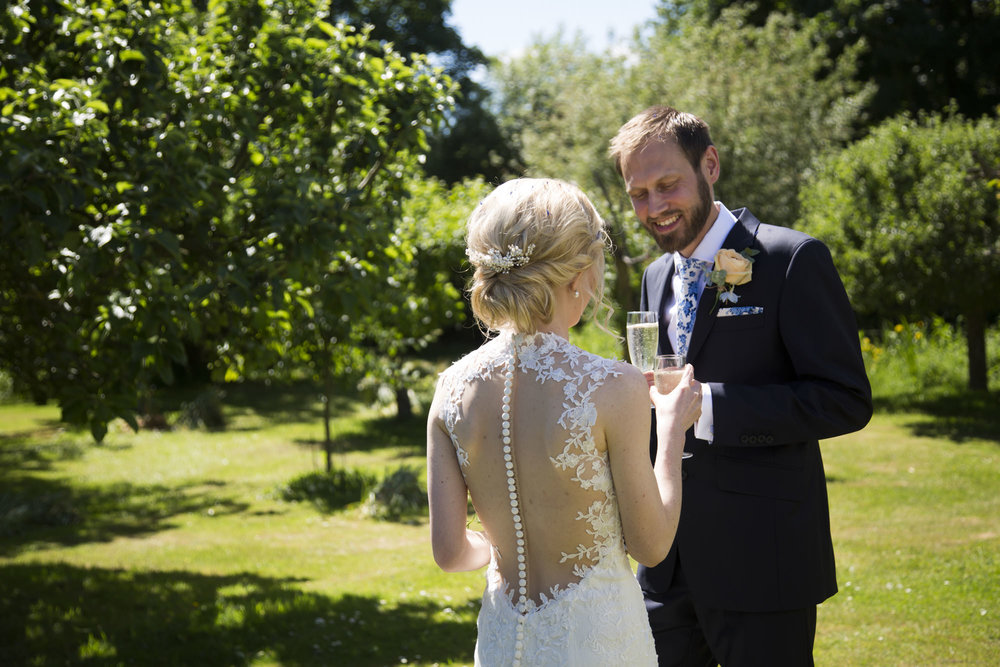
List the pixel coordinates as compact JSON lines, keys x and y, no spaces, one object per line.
{"x":28,"y":417}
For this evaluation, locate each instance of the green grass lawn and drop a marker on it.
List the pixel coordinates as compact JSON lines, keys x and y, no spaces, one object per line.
{"x":175,"y":548}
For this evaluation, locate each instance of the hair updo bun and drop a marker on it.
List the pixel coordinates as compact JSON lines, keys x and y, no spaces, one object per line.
{"x":525,"y":239}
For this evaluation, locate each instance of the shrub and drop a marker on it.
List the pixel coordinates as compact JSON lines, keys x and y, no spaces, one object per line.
{"x":920,"y":360}
{"x":397,"y":496}
{"x":6,"y":387}
{"x":205,"y":411}
{"x":329,"y":491}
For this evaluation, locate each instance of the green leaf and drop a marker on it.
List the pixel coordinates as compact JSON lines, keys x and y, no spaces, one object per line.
{"x":131,"y":421}
{"x":329,"y":29}
{"x":131,"y":54}
{"x":306,"y":305}
{"x":98,"y":430}
{"x":165,"y":371}
{"x":169,"y":242}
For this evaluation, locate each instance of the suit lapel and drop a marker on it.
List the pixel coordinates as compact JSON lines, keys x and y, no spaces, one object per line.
{"x":740,"y":236}
{"x":657,"y":293}
{"x":661,"y":309}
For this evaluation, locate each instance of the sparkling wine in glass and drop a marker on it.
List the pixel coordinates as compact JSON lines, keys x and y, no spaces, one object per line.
{"x":667,"y":372}
{"x":642,"y":330}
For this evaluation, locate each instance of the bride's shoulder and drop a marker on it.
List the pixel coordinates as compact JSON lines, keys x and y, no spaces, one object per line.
{"x":475,"y":361}
{"x":615,"y":371}
{"x":617,"y":365}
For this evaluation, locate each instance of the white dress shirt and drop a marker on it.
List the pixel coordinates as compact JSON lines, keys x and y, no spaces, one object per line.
{"x":706,"y":250}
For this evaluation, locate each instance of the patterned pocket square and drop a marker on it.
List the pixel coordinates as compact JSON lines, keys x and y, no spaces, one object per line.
{"x":738,"y":311}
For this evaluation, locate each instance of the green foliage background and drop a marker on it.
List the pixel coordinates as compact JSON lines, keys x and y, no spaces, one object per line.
{"x":223,"y":177}
{"x":219,"y":190}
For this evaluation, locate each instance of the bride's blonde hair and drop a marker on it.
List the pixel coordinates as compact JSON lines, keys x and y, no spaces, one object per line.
{"x":525,"y":239}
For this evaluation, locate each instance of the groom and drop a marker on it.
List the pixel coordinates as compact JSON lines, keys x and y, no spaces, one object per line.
{"x":774,"y":343}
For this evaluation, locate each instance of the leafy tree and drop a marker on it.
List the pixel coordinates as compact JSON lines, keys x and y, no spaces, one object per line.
{"x":418,"y":296}
{"x":471,"y":142}
{"x":562,"y":103}
{"x":433,"y":223}
{"x":760,"y":89}
{"x":912,"y":216}
{"x":178,"y":173}
{"x":922,"y":55}
{"x":773,"y":97}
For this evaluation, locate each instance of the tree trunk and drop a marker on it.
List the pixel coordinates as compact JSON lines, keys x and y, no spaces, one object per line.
{"x":975,"y":336}
{"x":327,"y":443}
{"x":327,"y":396}
{"x":404,"y":407}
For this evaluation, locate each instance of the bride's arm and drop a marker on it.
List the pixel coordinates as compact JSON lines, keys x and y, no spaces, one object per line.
{"x":649,"y":499}
{"x":455,"y":547}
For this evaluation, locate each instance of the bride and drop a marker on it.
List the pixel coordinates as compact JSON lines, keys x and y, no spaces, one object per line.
{"x":552,"y":445}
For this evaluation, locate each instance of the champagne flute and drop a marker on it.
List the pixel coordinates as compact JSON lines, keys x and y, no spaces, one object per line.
{"x":642,"y":330}
{"x":667,"y":373}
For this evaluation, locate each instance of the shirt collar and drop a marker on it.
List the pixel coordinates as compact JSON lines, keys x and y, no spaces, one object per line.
{"x":716,"y":236}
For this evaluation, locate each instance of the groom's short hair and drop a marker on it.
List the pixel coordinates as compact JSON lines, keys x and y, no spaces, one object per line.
{"x":661,"y":123}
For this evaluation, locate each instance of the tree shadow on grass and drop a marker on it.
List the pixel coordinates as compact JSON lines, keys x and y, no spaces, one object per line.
{"x":37,"y":511}
{"x":408,"y":433}
{"x":289,"y":402}
{"x":956,"y":417}
{"x":277,"y":403}
{"x":63,"y":614}
{"x":26,"y":452}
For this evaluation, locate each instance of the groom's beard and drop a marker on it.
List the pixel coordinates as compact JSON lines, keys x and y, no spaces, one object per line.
{"x":693,"y":221}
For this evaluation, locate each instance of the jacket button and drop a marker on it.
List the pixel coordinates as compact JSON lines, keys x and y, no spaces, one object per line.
{"x":769,"y":439}
{"x":743,"y":439}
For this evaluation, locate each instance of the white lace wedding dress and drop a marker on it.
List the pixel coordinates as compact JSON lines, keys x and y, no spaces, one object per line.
{"x":521,"y":412}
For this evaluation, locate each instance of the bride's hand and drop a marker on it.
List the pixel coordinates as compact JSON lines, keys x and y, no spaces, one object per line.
{"x":681,"y":407}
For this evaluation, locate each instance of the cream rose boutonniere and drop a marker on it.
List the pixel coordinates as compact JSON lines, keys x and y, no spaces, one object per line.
{"x":731,"y":269}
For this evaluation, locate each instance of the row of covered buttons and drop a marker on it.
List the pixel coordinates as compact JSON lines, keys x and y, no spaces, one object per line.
{"x":757,"y":439}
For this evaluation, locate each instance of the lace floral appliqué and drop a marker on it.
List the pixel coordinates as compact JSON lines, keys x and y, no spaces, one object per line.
{"x":599,"y":619}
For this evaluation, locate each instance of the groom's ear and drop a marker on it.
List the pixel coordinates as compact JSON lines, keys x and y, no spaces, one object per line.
{"x":710,"y":167}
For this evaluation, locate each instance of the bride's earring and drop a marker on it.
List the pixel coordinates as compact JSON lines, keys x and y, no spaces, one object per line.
{"x":576,"y":294}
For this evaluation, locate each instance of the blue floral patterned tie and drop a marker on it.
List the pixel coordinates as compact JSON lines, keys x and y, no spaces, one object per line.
{"x":692,"y":273}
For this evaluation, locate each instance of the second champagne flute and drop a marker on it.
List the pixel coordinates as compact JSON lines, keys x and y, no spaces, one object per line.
{"x":642,"y":331}
{"x":667,"y":372}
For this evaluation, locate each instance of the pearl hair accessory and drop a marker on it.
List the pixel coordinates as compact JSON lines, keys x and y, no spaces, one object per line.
{"x":498,"y":263}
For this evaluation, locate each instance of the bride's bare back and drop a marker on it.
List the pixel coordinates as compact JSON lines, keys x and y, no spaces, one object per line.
{"x":558,"y":498}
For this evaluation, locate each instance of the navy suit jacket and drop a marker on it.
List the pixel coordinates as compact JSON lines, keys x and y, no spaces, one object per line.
{"x":754,"y":531}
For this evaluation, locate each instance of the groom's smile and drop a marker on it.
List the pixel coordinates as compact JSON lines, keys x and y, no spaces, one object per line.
{"x":666,"y":224}
{"x":664,"y":227}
